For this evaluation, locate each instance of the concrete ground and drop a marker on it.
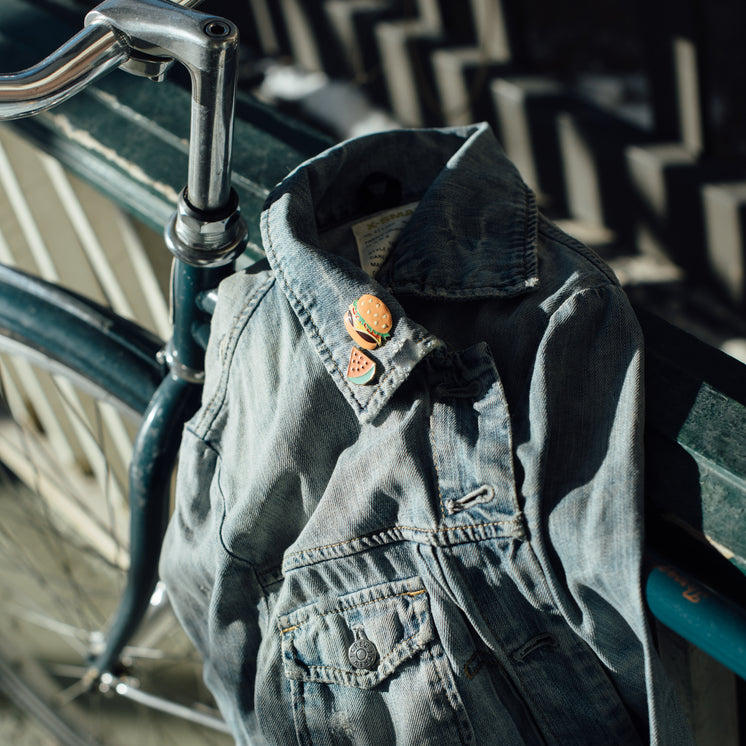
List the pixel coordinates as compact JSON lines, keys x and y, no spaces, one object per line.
{"x":16,"y":728}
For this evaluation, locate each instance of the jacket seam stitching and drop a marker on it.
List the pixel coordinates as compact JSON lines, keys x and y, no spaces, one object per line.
{"x":286,"y":284}
{"x":535,"y":711}
{"x":449,"y":695}
{"x":354,"y":606}
{"x":553,"y":233}
{"x":364,"y":673}
{"x":206,"y":421}
{"x":407,"y":528}
{"x":529,"y":223}
{"x":435,"y":462}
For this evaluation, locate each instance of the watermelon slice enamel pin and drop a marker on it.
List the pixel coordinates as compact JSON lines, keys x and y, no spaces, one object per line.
{"x":361,"y":368}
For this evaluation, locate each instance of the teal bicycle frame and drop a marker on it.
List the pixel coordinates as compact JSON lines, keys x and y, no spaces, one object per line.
{"x":206,"y":234}
{"x":155,"y":450}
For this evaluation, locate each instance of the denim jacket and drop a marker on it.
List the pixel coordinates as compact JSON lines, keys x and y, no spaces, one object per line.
{"x":470,"y":519}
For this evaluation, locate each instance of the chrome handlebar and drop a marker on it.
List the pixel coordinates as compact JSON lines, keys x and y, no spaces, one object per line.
{"x":88,"y":55}
{"x":144,"y":37}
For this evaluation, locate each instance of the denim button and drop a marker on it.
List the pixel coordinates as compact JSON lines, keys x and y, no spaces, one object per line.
{"x":362,"y":653}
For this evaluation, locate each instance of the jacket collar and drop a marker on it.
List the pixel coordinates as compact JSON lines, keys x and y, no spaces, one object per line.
{"x":472,"y":235}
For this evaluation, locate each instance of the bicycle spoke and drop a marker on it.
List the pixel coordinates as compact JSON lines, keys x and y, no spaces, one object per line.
{"x":63,"y":543}
{"x":74,"y":599}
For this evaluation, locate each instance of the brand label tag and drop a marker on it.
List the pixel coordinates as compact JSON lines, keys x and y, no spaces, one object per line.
{"x":376,"y":235}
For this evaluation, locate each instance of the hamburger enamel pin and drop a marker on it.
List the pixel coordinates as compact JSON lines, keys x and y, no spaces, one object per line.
{"x":361,"y":368}
{"x":368,"y":321}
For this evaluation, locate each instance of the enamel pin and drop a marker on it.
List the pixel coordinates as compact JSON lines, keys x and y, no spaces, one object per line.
{"x":361,"y":368}
{"x":368,"y":321}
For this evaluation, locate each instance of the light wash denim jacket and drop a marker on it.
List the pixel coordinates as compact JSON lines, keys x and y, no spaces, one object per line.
{"x":471,"y":517}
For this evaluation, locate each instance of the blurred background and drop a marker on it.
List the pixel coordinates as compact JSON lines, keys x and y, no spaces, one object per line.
{"x":627,"y":118}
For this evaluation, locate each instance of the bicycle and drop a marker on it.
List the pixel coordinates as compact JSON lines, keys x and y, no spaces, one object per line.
{"x":64,"y":540}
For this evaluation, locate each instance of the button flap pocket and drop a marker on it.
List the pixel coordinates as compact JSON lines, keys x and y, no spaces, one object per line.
{"x":357,"y":639}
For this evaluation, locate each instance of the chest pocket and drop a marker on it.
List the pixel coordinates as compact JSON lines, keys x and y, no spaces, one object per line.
{"x":367,"y":668}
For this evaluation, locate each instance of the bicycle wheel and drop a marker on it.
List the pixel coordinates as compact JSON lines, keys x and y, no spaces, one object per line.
{"x":74,"y":381}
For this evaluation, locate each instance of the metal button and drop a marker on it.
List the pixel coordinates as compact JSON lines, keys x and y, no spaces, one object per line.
{"x":362,"y":653}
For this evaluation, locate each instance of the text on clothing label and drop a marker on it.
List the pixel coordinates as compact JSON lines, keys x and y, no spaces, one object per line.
{"x":376,"y":235}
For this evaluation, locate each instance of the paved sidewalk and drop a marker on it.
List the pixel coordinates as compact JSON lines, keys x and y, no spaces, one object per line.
{"x":18,"y":730}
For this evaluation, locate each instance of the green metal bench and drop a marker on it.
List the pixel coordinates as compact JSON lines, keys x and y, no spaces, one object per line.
{"x":127,"y":138}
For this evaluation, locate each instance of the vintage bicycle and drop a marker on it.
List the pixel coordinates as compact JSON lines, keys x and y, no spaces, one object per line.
{"x":83,"y":619}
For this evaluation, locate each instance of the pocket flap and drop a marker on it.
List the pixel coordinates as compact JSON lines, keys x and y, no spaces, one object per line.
{"x":393,"y":617}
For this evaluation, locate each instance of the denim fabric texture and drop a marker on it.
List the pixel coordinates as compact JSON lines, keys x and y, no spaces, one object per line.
{"x":473,"y":515}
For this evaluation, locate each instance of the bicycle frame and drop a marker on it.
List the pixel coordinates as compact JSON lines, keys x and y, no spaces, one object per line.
{"x":205,"y":234}
{"x":154,"y":455}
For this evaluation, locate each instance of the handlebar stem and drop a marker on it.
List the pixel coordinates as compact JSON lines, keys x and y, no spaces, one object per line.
{"x":208,"y":47}
{"x":144,"y":37}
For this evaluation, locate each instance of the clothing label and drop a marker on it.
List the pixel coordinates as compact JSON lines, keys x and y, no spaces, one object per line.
{"x":376,"y":235}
